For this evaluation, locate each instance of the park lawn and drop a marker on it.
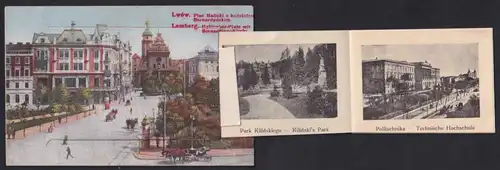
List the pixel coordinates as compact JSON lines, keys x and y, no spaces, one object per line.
{"x":244,"y":106}
{"x":297,"y":105}
{"x":35,"y":122}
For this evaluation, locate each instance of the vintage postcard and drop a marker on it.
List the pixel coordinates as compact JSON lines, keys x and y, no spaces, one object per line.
{"x":284,"y":83}
{"x":373,"y":81}
{"x":422,"y":81}
{"x":118,"y":86}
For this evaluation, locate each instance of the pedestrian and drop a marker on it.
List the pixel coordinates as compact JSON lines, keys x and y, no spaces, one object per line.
{"x":9,"y":132}
{"x":157,"y":141}
{"x":68,"y":153}
{"x":93,"y":107}
{"x":130,"y":110}
{"x":59,"y":119}
{"x":65,"y":140}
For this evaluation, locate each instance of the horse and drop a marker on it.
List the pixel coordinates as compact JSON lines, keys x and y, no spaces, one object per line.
{"x":131,"y":123}
{"x":175,"y":154}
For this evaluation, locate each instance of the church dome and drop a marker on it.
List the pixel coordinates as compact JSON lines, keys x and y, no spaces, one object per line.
{"x":147,"y":32}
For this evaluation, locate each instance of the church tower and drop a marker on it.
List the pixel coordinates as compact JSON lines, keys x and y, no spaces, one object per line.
{"x":147,"y":39}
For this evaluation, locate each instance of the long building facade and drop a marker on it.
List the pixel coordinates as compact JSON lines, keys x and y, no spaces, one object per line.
{"x":80,"y":60}
{"x":19,"y":74}
{"x":379,"y":76}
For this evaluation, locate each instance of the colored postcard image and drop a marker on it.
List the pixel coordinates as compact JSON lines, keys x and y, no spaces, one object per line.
{"x":118,"y":86}
{"x":289,"y":81}
{"x":429,"y":81}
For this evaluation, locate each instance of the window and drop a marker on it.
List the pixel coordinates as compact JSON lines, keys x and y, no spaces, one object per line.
{"x":7,"y":60}
{"x":82,"y":82}
{"x":65,"y":39}
{"x":96,"y":66}
{"x":106,"y":55}
{"x":17,"y":73}
{"x":77,"y":66}
{"x":17,"y":98}
{"x":7,"y":73}
{"x":26,"y":72}
{"x":17,"y":85}
{"x":163,"y":65}
{"x":63,"y":66}
{"x":97,"y":82}
{"x":18,"y":60}
{"x":96,"y":54}
{"x":106,"y":67}
{"x":7,"y":84}
{"x":26,"y":60}
{"x":217,"y":68}
{"x":154,"y":65}
{"x":70,"y":82}
{"x":7,"y":98}
{"x":78,"y":39}
{"x":26,"y":85}
{"x":78,"y":54}
{"x":64,"y":54}
{"x":27,"y":98}
{"x":42,"y":40}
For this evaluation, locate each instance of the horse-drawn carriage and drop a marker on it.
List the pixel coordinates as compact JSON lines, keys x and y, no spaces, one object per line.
{"x":111,"y":115}
{"x":131,"y":123}
{"x":186,"y":155}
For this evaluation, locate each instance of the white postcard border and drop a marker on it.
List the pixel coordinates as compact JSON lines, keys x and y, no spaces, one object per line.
{"x":229,"y":101}
{"x":482,"y":36}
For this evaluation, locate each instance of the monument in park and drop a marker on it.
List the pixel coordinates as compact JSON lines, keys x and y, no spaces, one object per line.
{"x":322,"y":74}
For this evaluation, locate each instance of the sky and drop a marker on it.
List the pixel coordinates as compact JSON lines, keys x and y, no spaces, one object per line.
{"x":266,"y":53}
{"x":23,"y":22}
{"x":451,"y":59}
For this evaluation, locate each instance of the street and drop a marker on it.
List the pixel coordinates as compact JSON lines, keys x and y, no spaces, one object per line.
{"x":425,"y":111}
{"x":263,"y":108}
{"x":37,"y":150}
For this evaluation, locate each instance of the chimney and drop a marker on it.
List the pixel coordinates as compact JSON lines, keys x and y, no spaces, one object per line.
{"x":19,"y":43}
{"x":10,"y":43}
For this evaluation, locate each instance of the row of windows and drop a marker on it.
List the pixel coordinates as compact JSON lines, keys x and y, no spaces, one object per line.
{"x":64,"y":54}
{"x":17,"y":60}
{"x":17,"y":73}
{"x":72,"y":82}
{"x":7,"y":85}
{"x":16,"y":98}
{"x":76,"y":66}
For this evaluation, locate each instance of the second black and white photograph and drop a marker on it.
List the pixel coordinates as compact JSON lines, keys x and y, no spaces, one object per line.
{"x":287,"y":81}
{"x":422,"y":81}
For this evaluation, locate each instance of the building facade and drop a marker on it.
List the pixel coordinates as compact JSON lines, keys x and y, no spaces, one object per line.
{"x":379,"y":75}
{"x":426,"y":77}
{"x":19,"y":74}
{"x":136,"y":63}
{"x":78,"y":60}
{"x":205,"y":64}
{"x":155,"y":61}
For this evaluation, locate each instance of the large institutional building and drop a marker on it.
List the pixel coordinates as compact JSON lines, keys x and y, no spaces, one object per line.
{"x":379,"y":75}
{"x":205,"y":64}
{"x":99,"y":61}
{"x":19,"y":74}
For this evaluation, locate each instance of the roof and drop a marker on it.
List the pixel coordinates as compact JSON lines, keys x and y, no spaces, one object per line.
{"x":388,"y":60}
{"x":207,"y":54}
{"x":50,"y":37}
{"x":136,"y":56}
{"x":72,"y":36}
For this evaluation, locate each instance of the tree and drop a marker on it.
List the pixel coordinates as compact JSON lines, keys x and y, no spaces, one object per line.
{"x":254,"y":78}
{"x":311,"y":66}
{"x":84,"y":94}
{"x":214,"y":96}
{"x":265,"y":76}
{"x":61,"y":94}
{"x":298,"y":66}
{"x":200,"y":89}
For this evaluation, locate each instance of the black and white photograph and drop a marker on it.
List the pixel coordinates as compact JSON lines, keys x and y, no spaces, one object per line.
{"x":287,"y":81}
{"x":420,"y":81}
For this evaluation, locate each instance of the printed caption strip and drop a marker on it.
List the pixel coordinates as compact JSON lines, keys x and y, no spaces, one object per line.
{"x":317,"y":82}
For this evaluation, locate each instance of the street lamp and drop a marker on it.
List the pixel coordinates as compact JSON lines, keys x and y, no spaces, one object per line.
{"x":192,"y":129}
{"x":38,"y":108}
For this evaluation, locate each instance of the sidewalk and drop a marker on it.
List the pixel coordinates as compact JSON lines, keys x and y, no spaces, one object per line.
{"x":40,"y":116}
{"x":21,"y":134}
{"x":155,"y":153}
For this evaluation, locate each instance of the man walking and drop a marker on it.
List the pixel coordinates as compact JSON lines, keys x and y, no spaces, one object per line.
{"x":68,"y":153}
{"x":65,"y":140}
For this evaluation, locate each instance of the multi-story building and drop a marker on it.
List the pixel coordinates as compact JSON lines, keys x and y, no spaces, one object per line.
{"x":124,"y":65}
{"x":426,"y":77}
{"x":155,"y":60}
{"x":77,"y":60}
{"x":379,"y":75}
{"x":136,"y":63}
{"x":18,"y":74}
{"x":205,"y":64}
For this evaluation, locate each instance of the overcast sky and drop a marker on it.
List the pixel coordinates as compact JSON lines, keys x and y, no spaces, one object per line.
{"x":266,"y":53}
{"x":22,"y":22}
{"x":452,"y":59}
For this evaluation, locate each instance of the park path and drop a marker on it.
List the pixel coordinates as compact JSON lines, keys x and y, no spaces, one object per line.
{"x":263,"y":108}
